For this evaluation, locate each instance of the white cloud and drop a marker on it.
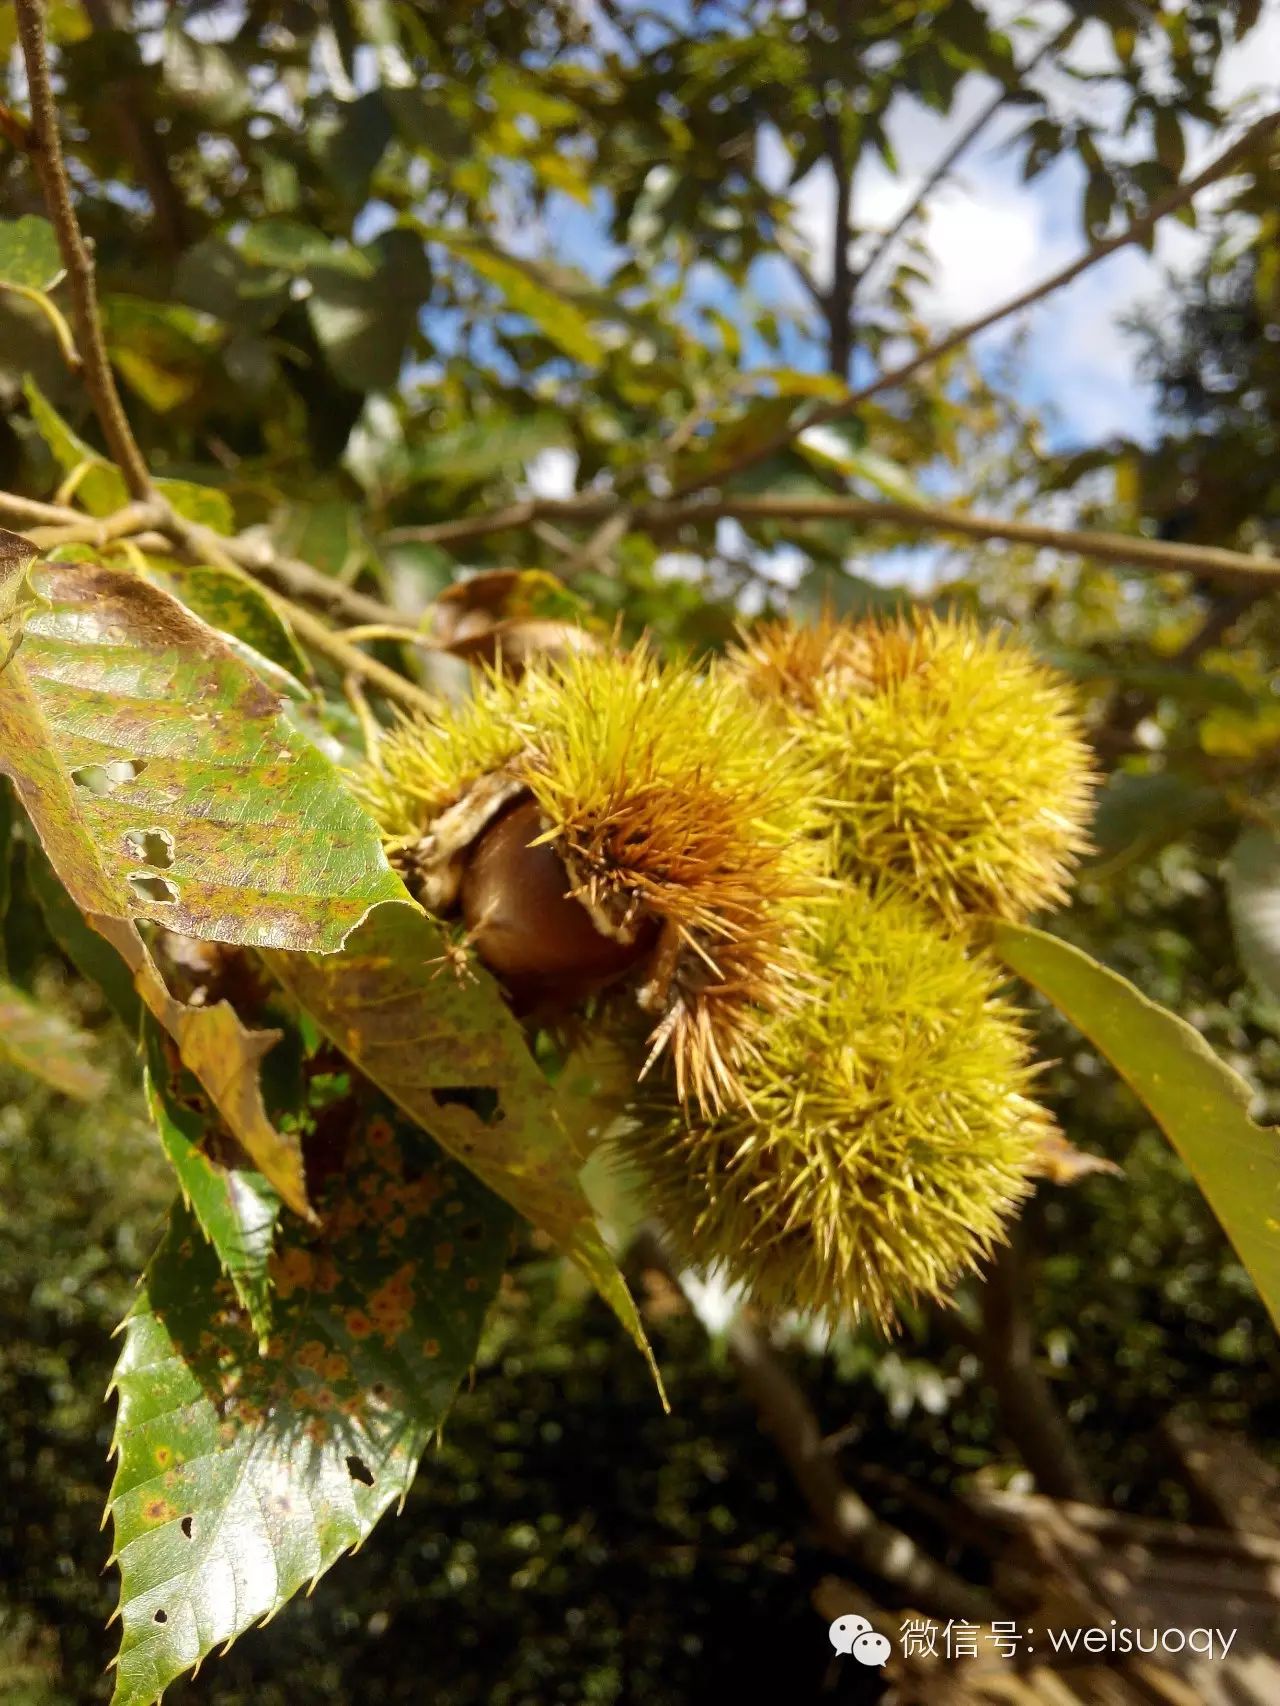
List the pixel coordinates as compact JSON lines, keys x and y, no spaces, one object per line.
{"x":992,"y":236}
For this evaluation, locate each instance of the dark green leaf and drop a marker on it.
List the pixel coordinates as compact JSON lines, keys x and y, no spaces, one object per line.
{"x":1137,"y":814}
{"x":1197,"y":1101}
{"x":450,"y":1054}
{"x":235,"y":1207}
{"x":241,"y":1478}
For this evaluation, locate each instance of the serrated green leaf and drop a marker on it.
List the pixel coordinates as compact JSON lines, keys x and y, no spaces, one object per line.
{"x":1196,"y":1100}
{"x":1253,"y":898}
{"x":449,"y":1053}
{"x":163,"y":781}
{"x":45,"y":1044}
{"x":241,"y":1478}
{"x":29,"y":255}
{"x":234,"y":1205}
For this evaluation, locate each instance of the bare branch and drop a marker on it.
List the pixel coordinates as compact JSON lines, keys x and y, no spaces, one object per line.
{"x":44,"y":147}
{"x":471,"y":526}
{"x":1156,"y":555}
{"x":1030,"y":1414}
{"x":1135,"y":232}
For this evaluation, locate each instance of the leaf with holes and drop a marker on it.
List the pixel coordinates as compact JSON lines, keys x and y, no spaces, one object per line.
{"x":1199,"y":1103}
{"x":449,"y":1052}
{"x":165,"y":784}
{"x":47,"y":1046}
{"x":236,"y":1208}
{"x":241,"y":1478}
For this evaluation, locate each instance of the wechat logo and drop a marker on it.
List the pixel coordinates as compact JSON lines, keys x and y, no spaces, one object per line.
{"x":856,"y":1637}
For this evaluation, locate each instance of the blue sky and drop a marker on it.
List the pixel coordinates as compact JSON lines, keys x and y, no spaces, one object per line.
{"x":992,"y":235}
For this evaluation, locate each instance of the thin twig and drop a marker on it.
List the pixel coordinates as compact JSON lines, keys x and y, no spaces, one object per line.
{"x":203,"y":545}
{"x":1155,"y":555}
{"x":1135,"y":232}
{"x":467,"y":527}
{"x":350,"y":660}
{"x":45,"y":150}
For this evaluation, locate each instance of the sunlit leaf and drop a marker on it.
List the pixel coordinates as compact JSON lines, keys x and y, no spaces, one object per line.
{"x":554,"y":314}
{"x":450,"y":1054}
{"x":99,"y":485}
{"x":234,"y":603}
{"x":241,"y":1478}
{"x":163,"y":781}
{"x":29,"y":253}
{"x":1199,"y":1103}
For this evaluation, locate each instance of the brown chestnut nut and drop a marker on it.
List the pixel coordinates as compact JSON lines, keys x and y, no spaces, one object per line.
{"x":526,"y":926}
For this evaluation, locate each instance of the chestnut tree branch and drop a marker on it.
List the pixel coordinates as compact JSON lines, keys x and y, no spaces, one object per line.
{"x":1155,"y":555}
{"x":44,"y":147}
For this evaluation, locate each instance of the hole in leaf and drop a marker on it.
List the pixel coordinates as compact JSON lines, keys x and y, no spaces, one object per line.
{"x":162,"y":1617}
{"x":101,"y":779}
{"x":483,"y":1101}
{"x":359,"y":1470}
{"x":147,"y":887}
{"x":153,"y":846}
{"x":186,"y":1526}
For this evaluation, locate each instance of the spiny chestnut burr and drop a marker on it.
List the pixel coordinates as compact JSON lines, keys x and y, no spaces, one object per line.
{"x":526,"y":926}
{"x":675,"y":806}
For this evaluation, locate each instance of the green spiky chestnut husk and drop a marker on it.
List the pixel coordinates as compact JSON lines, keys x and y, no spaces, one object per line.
{"x":888,"y":1129}
{"x":953,"y":762}
{"x":678,"y":810}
